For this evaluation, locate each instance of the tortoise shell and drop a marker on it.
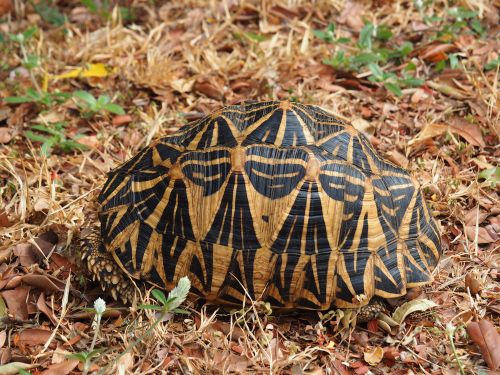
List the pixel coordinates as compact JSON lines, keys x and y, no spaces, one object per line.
{"x":273,"y":201}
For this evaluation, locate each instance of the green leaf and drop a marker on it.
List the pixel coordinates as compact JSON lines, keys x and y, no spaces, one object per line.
{"x":411,"y":81}
{"x":394,"y":88}
{"x":365,"y":58}
{"x":377,"y":72}
{"x":494,"y":64}
{"x":180,"y":292}
{"x":29,"y":32}
{"x":102,"y":100}
{"x":90,"y":4}
{"x":478,"y":27}
{"x":46,"y":147}
{"x":150,"y":307}
{"x":254,"y":37}
{"x":35,"y":137}
{"x":365,"y":36}
{"x":407,"y":308}
{"x":461,"y":13}
{"x":49,"y":14}
{"x":31,"y":62}
{"x":453,"y":61}
{"x":114,"y":108}
{"x":85,"y":97}
{"x":159,"y":296}
{"x":18,"y":99}
{"x":492,"y":175}
{"x":383,"y":32}
{"x":14,"y":368}
{"x":327,"y":35}
{"x":181,"y":311}
{"x":3,"y":308}
{"x":46,"y":129}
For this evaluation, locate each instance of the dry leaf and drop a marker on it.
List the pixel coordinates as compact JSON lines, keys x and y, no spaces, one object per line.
{"x":483,"y":235}
{"x":352,"y":15}
{"x":3,"y":337}
{"x":398,"y":158}
{"x":363,"y":126}
{"x":120,"y":120}
{"x":125,"y":363}
{"x":374,"y":356}
{"x":16,"y":302}
{"x":484,"y":334}
{"x":24,"y":252}
{"x":44,"y":282}
{"x":90,"y":70}
{"x":13,"y":368}
{"x":31,"y":337}
{"x":5,"y":134}
{"x":5,"y":7}
{"x":470,"y":132}
{"x":474,"y":282}
{"x":62,"y":368}
{"x":407,"y":308}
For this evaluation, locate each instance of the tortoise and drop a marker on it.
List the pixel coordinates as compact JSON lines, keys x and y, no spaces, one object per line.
{"x":273,"y":201}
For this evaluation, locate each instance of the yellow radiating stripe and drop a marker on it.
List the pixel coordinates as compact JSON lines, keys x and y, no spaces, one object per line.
{"x":400,"y":186}
{"x":371,"y":162}
{"x":273,"y":175}
{"x":205,"y":178}
{"x":330,"y":137}
{"x":281,"y":130}
{"x":342,"y":272}
{"x":303,"y":239}
{"x":274,"y":161}
{"x":249,"y":129}
{"x":208,"y":163}
{"x":349,"y":156}
{"x":307,"y":134}
{"x":114,"y":193}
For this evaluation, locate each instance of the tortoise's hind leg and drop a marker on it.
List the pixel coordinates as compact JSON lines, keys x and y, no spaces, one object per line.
{"x":104,"y":268}
{"x":370,"y":311}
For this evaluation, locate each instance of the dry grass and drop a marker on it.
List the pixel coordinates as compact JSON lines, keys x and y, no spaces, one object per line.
{"x":179,"y":60}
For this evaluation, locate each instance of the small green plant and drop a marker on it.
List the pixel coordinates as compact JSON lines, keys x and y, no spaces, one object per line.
{"x":372,"y":49}
{"x":90,"y":106}
{"x":175,"y":298}
{"x":166,"y":305}
{"x":391,"y":81}
{"x":103,"y":8}
{"x":328,"y":35}
{"x":86,"y":357}
{"x":43,"y":98}
{"x":30,"y":62}
{"x":48,"y":13}
{"x":53,"y":137}
{"x":450,"y":332}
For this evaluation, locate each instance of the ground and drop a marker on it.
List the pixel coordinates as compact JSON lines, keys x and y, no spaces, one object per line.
{"x":86,"y":84}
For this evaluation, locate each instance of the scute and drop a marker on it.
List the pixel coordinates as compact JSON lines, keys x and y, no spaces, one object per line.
{"x":276,"y":201}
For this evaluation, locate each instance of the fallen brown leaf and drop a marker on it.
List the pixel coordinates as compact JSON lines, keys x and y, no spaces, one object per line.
{"x":44,"y":282}
{"x":483,"y":236}
{"x":484,"y":335}
{"x":374,"y":356}
{"x":24,"y":251}
{"x":120,"y":120}
{"x":62,"y":368}
{"x":31,"y":337}
{"x":16,"y":302}
{"x":5,"y":133}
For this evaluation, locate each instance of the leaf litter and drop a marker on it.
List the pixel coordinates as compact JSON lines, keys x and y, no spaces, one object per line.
{"x":146,"y":71}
